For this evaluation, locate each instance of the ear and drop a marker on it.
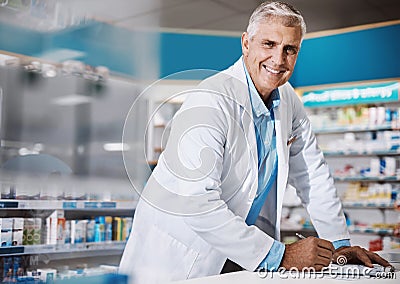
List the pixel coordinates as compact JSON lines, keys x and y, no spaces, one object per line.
{"x":245,"y":44}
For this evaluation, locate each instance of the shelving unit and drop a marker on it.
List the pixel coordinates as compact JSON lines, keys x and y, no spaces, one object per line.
{"x":354,"y":128}
{"x":73,"y":209}
{"x":6,"y":204}
{"x":356,"y":205}
{"x":369,"y":116}
{"x":77,"y":177}
{"x":164,"y":101}
{"x":362,"y":153}
{"x":367,"y":178}
{"x":67,"y":251}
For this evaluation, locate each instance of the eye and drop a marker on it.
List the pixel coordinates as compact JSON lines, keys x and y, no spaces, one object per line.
{"x":268,"y":44}
{"x":290,"y":50}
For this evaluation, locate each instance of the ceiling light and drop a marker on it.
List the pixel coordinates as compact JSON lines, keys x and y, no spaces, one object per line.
{"x":72,"y":100}
{"x":113,"y":147}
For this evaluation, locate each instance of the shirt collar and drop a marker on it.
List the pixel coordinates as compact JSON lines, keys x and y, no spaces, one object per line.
{"x":259,"y":108}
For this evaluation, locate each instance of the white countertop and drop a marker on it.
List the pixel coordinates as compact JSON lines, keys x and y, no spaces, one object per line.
{"x":393,"y":256}
{"x":275,"y":278}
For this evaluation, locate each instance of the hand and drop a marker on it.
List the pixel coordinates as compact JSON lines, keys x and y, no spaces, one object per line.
{"x":358,"y":255}
{"x":309,"y":252}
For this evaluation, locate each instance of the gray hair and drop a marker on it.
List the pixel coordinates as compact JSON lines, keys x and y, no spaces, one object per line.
{"x":276,"y":12}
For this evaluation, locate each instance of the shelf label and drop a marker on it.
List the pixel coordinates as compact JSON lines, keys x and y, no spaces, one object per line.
{"x":8,"y":204}
{"x":108,"y":205}
{"x":69,"y":205}
{"x":96,"y":205}
{"x":373,"y":93}
{"x":11,"y":250}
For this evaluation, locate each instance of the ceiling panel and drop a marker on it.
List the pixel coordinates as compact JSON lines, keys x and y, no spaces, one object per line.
{"x":232,"y":15}
{"x":228,"y":15}
{"x":191,"y":14}
{"x":237,"y":23}
{"x":240,"y":5}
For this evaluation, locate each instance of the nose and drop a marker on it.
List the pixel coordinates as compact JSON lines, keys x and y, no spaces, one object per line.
{"x":278,"y":56}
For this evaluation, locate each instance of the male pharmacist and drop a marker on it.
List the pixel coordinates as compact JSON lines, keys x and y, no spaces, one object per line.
{"x":238,"y":140}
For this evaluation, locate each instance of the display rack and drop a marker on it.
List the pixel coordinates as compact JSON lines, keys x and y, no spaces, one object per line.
{"x":66,"y":251}
{"x":6,"y":204}
{"x":353,"y":128}
{"x":349,"y":106}
{"x":362,"y":153}
{"x":164,"y":101}
{"x":367,"y":178}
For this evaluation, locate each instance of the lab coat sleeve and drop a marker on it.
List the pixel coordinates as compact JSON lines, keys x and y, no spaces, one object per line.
{"x":194,"y":156}
{"x":309,"y":174}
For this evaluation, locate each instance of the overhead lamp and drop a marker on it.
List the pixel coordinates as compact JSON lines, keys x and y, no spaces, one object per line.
{"x":115,"y":147}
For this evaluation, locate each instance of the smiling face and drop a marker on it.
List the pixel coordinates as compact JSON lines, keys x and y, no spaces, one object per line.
{"x":270,"y":55}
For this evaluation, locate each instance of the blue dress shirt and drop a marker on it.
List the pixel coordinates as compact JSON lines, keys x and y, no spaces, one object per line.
{"x":264,"y":124}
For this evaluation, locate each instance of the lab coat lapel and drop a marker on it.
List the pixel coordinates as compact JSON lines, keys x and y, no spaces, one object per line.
{"x":242,"y":97}
{"x":281,"y":137}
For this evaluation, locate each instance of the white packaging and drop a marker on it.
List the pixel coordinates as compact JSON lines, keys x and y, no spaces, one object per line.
{"x":387,"y":199}
{"x":17,"y":236}
{"x":18,"y":224}
{"x":73,"y":231}
{"x":390,"y":166}
{"x":90,"y":231}
{"x":6,"y":238}
{"x":67,"y":232}
{"x":47,"y":275}
{"x":51,"y":226}
{"x":17,"y":231}
{"x":375,"y":165}
{"x":387,"y":243}
{"x":80,"y":231}
{"x":372,"y":118}
{"x":7,"y":224}
{"x":381,"y":116}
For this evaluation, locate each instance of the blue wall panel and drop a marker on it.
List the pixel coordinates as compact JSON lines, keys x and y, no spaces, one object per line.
{"x":354,"y":56}
{"x":181,"y":52}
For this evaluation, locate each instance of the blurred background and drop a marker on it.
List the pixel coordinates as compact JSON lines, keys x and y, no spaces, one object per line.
{"x":84,"y":114}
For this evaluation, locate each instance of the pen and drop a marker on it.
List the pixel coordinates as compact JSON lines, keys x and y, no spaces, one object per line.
{"x":300,"y":236}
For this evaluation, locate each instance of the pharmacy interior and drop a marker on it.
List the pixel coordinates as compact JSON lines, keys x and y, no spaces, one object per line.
{"x":81,"y":131}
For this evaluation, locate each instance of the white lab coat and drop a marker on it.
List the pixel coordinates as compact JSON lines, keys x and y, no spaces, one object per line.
{"x":190,"y":218}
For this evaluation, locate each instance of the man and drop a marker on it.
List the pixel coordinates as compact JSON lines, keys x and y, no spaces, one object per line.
{"x":235,"y":144}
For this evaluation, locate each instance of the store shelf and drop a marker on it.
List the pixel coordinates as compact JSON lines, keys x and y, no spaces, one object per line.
{"x":369,"y":179}
{"x":367,"y":205}
{"x":352,"y":128}
{"x":352,"y":229}
{"x":369,"y":230}
{"x":66,"y":205}
{"x":66,"y":251}
{"x":361,"y":153}
{"x":356,"y":205}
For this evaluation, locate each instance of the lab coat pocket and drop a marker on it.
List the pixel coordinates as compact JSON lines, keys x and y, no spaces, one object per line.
{"x":170,"y":258}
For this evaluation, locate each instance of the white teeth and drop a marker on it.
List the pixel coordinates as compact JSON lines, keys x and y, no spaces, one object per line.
{"x":272,"y":70}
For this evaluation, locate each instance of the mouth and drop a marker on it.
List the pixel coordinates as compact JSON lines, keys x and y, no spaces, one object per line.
{"x":274,"y":71}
